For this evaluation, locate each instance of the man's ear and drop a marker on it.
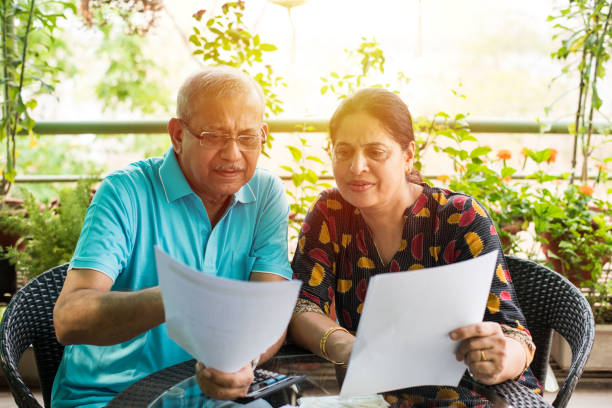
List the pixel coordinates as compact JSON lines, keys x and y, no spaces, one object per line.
{"x":175,"y":129}
{"x":264,"y":133}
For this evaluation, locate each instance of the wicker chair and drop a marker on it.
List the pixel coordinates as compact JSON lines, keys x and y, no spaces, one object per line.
{"x":550,"y":302}
{"x":28,"y":320}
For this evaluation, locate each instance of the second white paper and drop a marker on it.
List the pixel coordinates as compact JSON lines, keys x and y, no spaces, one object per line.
{"x":403,"y":335}
{"x":223,"y":323}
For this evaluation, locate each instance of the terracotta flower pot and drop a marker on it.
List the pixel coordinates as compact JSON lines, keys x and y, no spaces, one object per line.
{"x":511,"y":228}
{"x":574,"y":276}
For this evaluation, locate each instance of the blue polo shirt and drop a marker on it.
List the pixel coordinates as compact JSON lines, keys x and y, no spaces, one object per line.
{"x":150,"y":203}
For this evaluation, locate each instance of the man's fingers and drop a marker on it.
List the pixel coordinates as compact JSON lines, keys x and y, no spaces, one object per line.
{"x":224,"y":386}
{"x":242,"y":378}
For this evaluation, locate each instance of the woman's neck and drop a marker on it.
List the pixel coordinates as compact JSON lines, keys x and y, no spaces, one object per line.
{"x":393,"y":212}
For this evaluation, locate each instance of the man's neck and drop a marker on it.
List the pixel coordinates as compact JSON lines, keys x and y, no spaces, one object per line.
{"x":215,"y":208}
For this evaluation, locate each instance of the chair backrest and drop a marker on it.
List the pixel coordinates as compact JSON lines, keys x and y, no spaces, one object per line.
{"x":551,"y":302}
{"x":28,"y":320}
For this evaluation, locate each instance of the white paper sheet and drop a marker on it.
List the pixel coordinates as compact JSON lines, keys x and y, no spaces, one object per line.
{"x":221,"y":322}
{"x":403,"y":335}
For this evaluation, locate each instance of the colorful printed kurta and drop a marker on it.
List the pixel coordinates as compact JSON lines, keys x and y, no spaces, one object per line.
{"x":336,"y":256}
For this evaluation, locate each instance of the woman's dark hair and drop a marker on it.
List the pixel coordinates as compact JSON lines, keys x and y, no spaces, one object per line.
{"x":387,"y":108}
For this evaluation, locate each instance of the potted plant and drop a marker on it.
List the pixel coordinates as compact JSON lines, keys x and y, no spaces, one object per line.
{"x":50,"y":230}
{"x":11,"y":229}
{"x":489,"y":180}
{"x":575,"y":232}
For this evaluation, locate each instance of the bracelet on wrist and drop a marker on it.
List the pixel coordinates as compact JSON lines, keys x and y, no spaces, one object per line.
{"x":323,"y":342}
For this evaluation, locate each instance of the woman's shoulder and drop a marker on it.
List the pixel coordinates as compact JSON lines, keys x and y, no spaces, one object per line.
{"x":448,"y":201}
{"x":331,"y":207}
{"x":332,"y":199}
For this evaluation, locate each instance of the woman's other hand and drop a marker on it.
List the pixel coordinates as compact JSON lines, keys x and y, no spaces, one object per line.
{"x":224,"y":386}
{"x":490,"y":356}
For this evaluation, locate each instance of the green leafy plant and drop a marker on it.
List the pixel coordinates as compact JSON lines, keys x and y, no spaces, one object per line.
{"x":575,"y":230}
{"x":131,"y":79}
{"x":51,"y":230}
{"x":306,"y":182}
{"x":29,"y":50}
{"x":370,"y":60}
{"x":226,"y":40}
{"x":11,"y":225}
{"x":586,"y":29}
{"x":489,"y":179}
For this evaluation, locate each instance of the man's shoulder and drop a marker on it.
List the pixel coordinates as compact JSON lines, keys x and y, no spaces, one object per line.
{"x":135,"y":179}
{"x":264,"y":179}
{"x":137,"y":172}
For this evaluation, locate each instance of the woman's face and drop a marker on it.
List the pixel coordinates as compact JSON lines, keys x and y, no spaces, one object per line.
{"x":370,"y":167}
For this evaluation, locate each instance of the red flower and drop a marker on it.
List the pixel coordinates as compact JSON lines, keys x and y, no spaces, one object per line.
{"x":586,"y":190}
{"x":504,"y":154}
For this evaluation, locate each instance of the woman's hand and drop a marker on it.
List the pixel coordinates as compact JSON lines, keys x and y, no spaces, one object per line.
{"x":224,"y":386}
{"x":490,"y":356}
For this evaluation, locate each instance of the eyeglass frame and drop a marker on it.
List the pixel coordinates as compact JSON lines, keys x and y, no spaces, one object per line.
{"x":202,"y":135}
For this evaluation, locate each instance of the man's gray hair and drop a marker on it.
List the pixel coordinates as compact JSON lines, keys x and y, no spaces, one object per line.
{"x":214,"y":82}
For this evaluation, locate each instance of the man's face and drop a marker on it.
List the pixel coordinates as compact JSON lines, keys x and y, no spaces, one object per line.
{"x":217,"y":173}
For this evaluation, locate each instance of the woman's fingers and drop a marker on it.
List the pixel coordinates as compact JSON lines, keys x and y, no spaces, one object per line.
{"x":482,"y":329}
{"x":483,"y":349}
{"x":491,"y":344}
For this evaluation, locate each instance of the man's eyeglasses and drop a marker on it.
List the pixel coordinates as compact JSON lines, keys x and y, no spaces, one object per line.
{"x":247,"y":142}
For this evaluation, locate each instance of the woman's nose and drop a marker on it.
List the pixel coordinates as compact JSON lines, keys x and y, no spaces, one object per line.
{"x":359,"y":163}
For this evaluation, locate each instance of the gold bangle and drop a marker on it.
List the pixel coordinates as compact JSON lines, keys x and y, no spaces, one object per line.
{"x":327,"y":333}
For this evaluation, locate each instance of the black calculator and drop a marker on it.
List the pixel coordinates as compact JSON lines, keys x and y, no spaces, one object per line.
{"x":267,"y":382}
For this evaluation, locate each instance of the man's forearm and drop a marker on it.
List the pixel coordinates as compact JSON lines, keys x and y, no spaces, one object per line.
{"x":90,"y":316}
{"x":269,"y":353}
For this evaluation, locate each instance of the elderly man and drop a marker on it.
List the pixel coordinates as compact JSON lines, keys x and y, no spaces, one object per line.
{"x":207,"y":205}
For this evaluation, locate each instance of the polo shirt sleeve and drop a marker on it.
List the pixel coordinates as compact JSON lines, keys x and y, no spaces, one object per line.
{"x":270,"y":239}
{"x":106,"y":239}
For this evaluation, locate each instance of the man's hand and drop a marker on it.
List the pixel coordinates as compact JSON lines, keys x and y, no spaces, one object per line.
{"x":224,"y":386}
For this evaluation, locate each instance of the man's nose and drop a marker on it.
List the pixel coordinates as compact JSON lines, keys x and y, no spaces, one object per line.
{"x":230,"y":150}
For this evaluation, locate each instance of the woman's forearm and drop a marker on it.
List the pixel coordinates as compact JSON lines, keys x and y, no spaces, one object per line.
{"x":308,"y":328}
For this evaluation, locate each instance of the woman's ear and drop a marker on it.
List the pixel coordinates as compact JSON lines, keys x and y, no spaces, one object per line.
{"x":409,"y":156}
{"x":175,"y":129}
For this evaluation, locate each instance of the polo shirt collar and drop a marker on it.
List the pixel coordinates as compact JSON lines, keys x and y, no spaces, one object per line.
{"x":176,"y":185}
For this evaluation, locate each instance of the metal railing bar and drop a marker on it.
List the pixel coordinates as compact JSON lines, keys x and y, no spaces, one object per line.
{"x":476,"y":125}
{"x":66,"y":178}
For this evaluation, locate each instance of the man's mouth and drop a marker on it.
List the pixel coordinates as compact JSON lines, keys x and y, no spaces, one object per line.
{"x":229,"y":171}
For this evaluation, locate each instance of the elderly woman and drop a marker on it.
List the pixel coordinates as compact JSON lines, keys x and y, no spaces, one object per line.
{"x":382,"y":218}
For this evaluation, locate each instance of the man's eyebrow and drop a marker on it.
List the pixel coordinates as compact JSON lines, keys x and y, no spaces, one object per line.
{"x":213,"y":128}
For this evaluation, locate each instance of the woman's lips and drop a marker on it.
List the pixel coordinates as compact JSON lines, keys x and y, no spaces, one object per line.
{"x":360,"y":185}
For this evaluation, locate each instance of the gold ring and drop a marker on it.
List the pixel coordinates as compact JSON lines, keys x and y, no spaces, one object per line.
{"x":482,"y":356}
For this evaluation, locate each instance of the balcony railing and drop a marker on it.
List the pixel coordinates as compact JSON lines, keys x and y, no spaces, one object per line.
{"x":110,"y":128}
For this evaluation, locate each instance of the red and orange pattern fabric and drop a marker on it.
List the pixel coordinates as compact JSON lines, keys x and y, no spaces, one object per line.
{"x":336,"y":256}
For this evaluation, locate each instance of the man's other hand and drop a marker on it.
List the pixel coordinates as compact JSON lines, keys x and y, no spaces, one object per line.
{"x":224,"y":386}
